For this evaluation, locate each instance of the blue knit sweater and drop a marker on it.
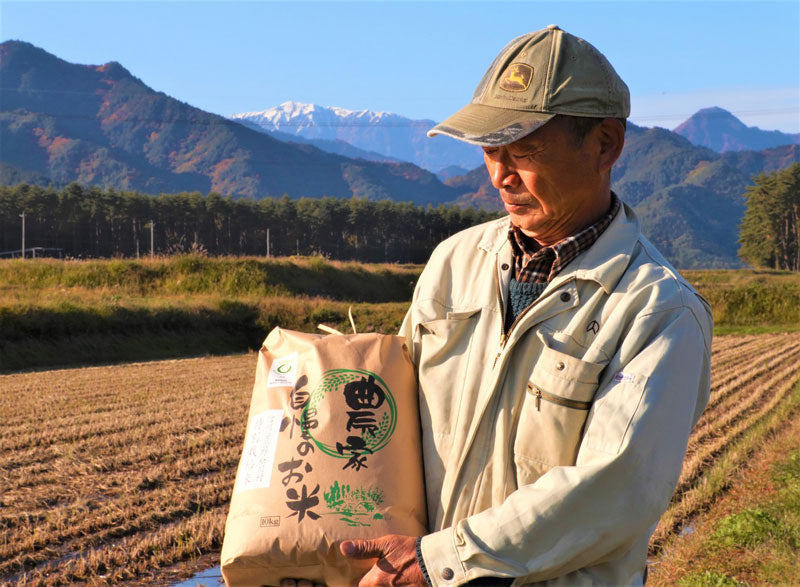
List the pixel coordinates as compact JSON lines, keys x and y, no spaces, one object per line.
{"x":521,"y":295}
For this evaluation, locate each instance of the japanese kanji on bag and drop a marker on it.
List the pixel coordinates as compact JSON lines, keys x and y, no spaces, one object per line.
{"x":332,"y":452}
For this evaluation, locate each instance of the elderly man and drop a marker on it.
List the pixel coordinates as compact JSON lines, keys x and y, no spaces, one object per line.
{"x":562,"y":361}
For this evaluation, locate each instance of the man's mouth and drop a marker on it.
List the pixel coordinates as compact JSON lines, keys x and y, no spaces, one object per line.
{"x":513,"y":203}
{"x":516,"y":199}
{"x":512,"y":208}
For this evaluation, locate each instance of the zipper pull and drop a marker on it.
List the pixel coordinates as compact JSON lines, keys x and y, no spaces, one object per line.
{"x":538,"y":399}
{"x":503,"y":339}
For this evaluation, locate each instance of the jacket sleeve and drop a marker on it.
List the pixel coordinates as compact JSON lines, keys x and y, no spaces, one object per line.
{"x":627,"y":467}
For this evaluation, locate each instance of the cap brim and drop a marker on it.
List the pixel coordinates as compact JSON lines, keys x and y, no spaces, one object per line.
{"x":489,"y":126}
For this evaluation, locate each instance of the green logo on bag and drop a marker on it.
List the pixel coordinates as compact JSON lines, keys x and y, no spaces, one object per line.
{"x":362,"y":403}
{"x":355,"y":506}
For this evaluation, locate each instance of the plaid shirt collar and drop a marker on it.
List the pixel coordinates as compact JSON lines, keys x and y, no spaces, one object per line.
{"x":536,"y":264}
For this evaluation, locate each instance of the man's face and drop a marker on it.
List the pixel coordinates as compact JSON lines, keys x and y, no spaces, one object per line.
{"x":546,"y":181}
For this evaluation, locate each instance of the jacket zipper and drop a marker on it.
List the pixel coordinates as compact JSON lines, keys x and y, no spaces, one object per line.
{"x":503,"y":334}
{"x":541,"y":394}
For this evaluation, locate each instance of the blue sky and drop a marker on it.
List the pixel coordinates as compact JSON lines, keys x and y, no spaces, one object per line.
{"x":423,"y":59}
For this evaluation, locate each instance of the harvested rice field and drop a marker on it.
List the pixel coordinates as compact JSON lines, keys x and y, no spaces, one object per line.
{"x":122,"y":474}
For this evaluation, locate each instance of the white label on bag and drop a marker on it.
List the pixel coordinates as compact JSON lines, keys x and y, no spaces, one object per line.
{"x":283,"y":372}
{"x":259,"y":451}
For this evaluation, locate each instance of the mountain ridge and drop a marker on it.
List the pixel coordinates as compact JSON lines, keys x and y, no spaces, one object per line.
{"x":102,"y":125}
{"x":720,"y":130}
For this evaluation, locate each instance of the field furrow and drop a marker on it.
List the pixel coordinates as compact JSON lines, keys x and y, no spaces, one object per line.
{"x":133,"y":557}
{"x":132,"y":480}
{"x":737,"y":349}
{"x":735,"y":380}
{"x":703,"y":456}
{"x":108,"y":474}
{"x":750,"y":389}
{"x":121,"y":519}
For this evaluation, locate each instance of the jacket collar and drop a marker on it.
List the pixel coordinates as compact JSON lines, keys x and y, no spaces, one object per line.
{"x":604,"y":262}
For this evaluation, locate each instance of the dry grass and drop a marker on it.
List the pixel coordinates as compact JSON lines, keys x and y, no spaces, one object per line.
{"x":760,"y":554}
{"x":109,"y":475}
{"x":753,"y":380}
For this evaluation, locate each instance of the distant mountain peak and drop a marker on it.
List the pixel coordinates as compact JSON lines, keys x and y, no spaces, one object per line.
{"x":15,"y":50}
{"x":289,"y":113}
{"x":114,"y":70}
{"x":720,"y":130}
{"x":713,"y":110}
{"x":712,"y":115}
{"x":17,"y":45}
{"x":295,"y":108}
{"x":386,"y":133}
{"x":17,"y":57}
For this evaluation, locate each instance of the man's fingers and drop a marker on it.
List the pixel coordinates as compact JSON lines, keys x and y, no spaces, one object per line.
{"x":362,"y":548}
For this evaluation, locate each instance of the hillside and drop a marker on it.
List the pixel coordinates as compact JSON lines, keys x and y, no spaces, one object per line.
{"x":721,"y":131}
{"x":101,"y":125}
{"x":336,"y":146}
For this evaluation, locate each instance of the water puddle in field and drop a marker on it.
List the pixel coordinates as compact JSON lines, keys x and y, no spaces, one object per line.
{"x":208,"y":578}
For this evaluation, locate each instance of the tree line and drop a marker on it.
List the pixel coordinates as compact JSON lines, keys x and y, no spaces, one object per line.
{"x":770,"y":230}
{"x":88,"y":221}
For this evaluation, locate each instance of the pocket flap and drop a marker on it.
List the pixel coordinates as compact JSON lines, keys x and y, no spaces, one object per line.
{"x":564,"y":375}
{"x":444,"y":326}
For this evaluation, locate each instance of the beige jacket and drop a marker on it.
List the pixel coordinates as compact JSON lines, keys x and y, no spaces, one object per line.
{"x":551,"y":453}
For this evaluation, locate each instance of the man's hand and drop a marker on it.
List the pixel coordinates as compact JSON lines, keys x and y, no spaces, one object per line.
{"x":397,"y":560}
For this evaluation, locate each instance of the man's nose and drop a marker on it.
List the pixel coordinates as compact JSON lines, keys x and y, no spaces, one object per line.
{"x":503,"y":174}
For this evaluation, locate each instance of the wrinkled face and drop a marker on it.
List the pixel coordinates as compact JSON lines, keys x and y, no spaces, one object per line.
{"x":546,"y":182}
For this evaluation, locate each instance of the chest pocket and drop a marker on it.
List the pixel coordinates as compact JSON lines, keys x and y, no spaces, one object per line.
{"x":445,"y":349}
{"x":557,"y":400}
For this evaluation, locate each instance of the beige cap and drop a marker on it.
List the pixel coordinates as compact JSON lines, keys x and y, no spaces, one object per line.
{"x":535,"y":77}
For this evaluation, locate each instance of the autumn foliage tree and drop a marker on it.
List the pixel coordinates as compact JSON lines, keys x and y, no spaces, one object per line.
{"x":769,"y":233}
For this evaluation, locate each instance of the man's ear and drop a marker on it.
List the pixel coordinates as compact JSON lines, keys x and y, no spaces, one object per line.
{"x":610,"y":136}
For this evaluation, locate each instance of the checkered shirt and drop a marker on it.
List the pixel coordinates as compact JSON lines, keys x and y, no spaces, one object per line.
{"x":536,"y":264}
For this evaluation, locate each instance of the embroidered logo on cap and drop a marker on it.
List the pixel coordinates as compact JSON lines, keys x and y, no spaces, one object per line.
{"x":517,"y":77}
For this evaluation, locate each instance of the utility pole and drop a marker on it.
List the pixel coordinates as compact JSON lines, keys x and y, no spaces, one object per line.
{"x":268,"y":242}
{"x":23,"y":234}
{"x":152,"y":226}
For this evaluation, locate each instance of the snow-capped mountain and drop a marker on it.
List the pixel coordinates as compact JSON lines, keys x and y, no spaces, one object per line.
{"x":311,"y":121}
{"x":386,"y":133}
